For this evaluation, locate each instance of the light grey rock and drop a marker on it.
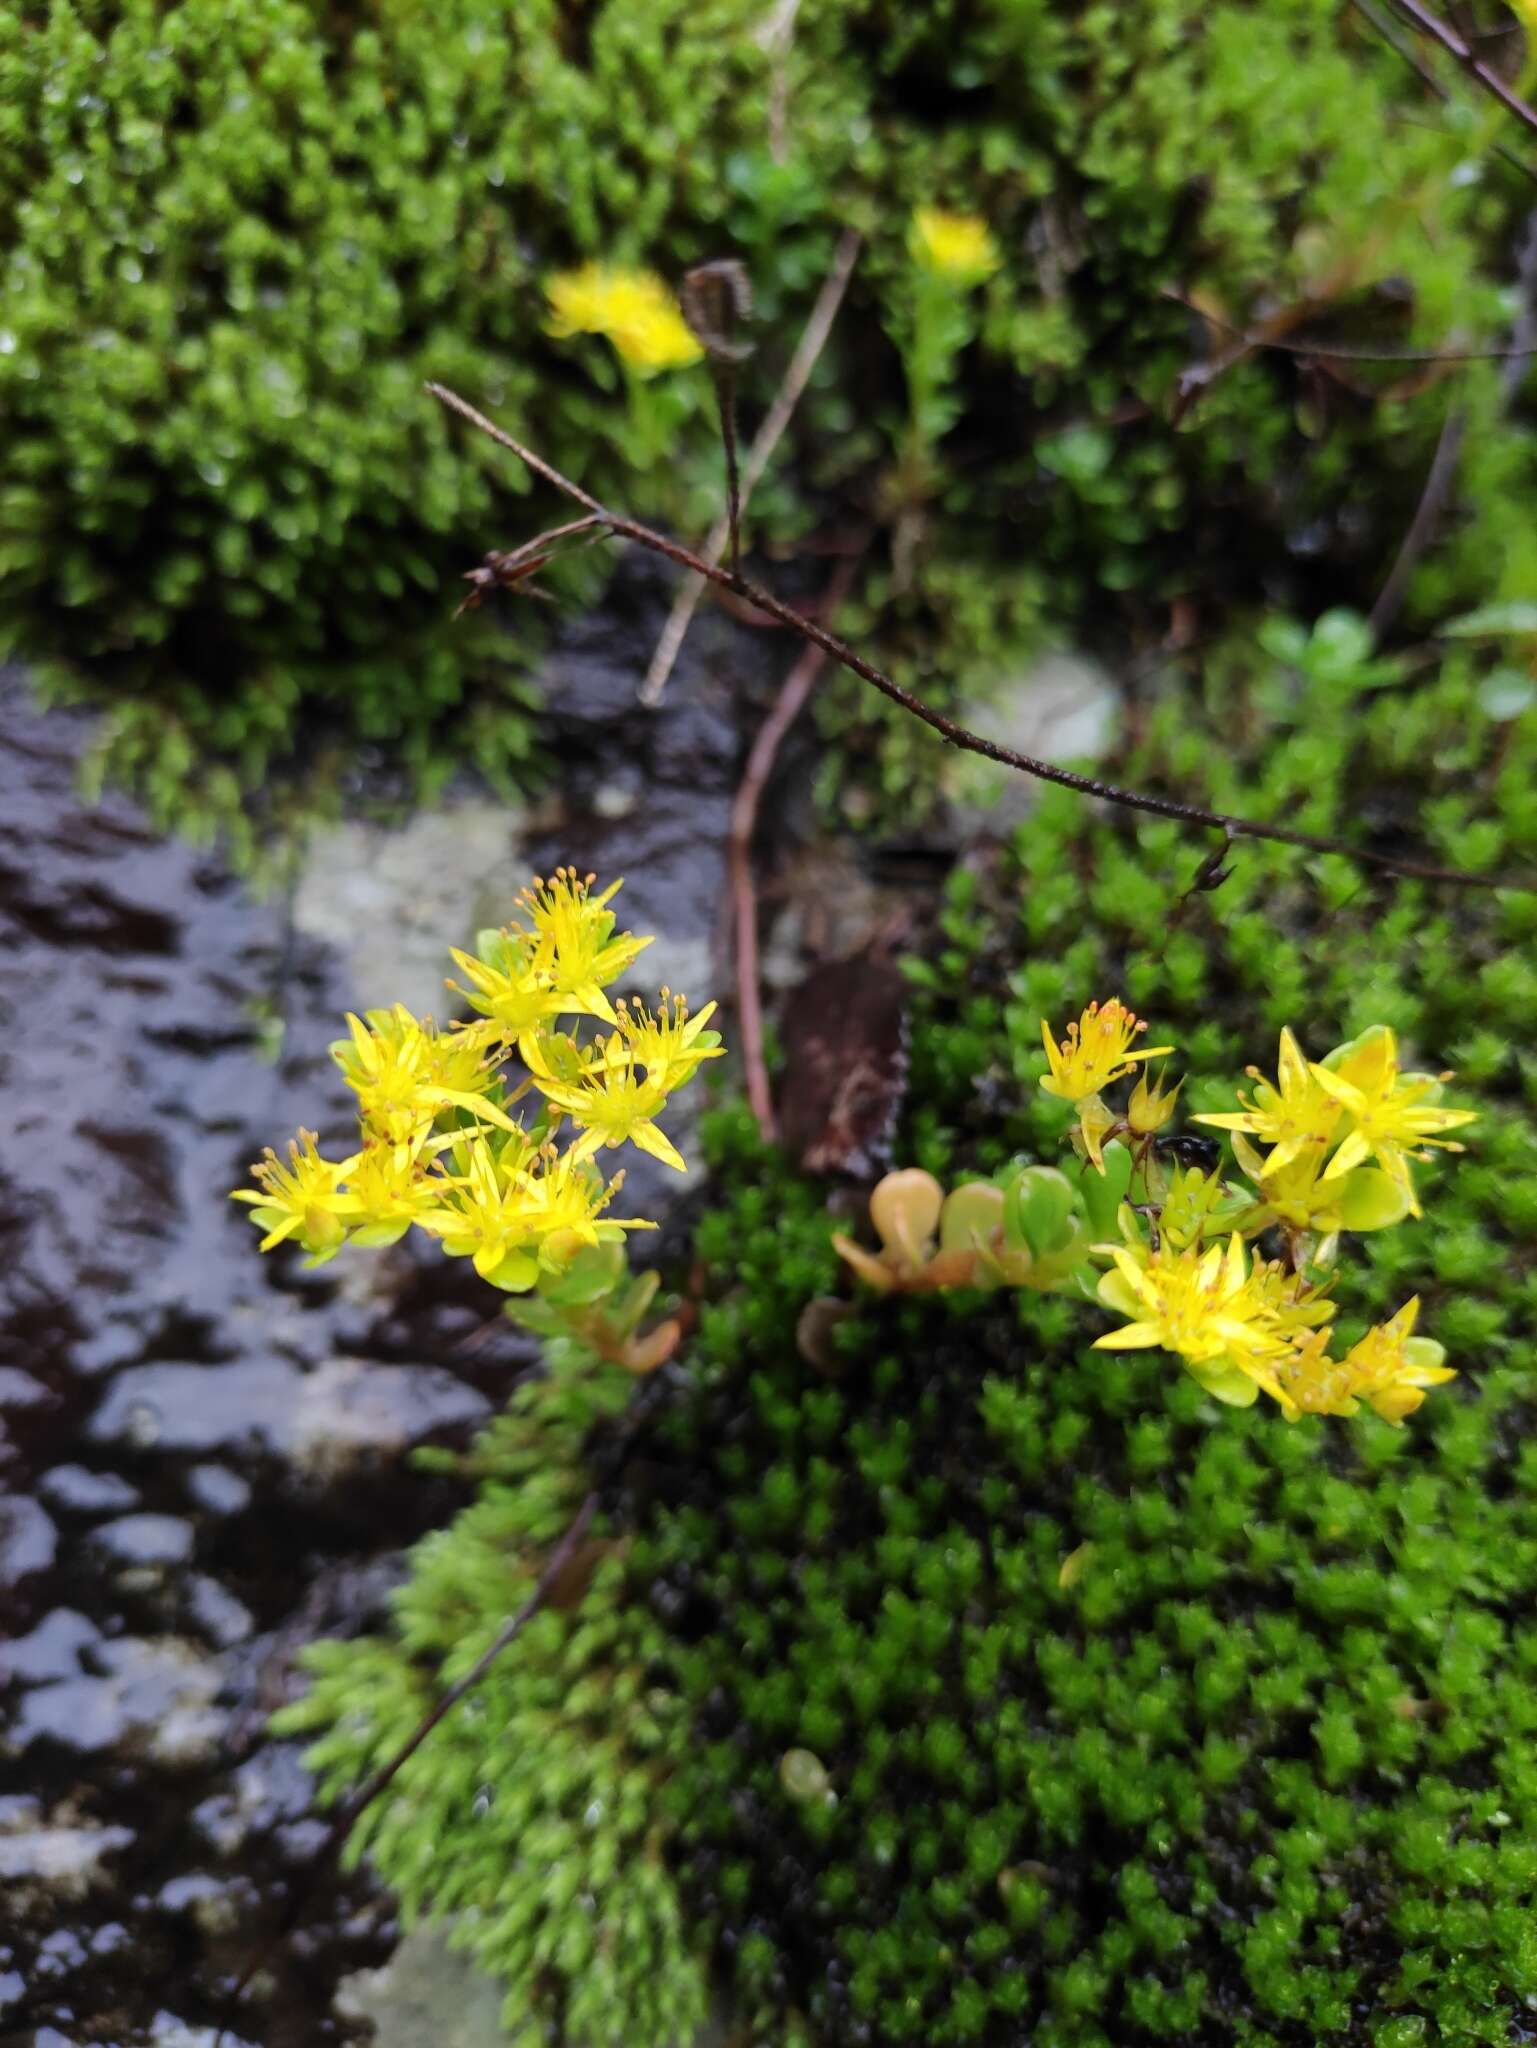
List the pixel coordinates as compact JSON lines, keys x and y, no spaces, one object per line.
{"x":1063,"y":709}
{"x":322,"y":1420}
{"x":60,"y":1862}
{"x":349,"y":1408}
{"x":429,"y":1996}
{"x":29,"y":1541}
{"x":426,"y":1996}
{"x":152,"y":1694}
{"x":391,"y":900}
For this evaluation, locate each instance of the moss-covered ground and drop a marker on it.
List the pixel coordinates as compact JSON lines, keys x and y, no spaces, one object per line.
{"x":985,"y":1688}
{"x":236,"y":235}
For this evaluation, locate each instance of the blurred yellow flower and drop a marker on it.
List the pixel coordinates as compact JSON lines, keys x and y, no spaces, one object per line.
{"x":631,"y":308}
{"x":958,"y":246}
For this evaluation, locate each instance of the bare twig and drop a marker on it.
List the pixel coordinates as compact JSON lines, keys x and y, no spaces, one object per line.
{"x":1463,"y":53}
{"x":1335,"y":354}
{"x":813,"y":340}
{"x":947,"y":728}
{"x":554,"y":1565}
{"x":1443,"y":467}
{"x":797,"y":687}
{"x":776,"y":37}
{"x":1423,"y":71}
{"x":1427,"y":516}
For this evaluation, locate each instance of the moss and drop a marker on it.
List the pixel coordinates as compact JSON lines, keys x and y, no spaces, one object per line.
{"x":235,"y":238}
{"x":1014,"y":1690}
{"x":551,"y":1876}
{"x":1261,"y":1765}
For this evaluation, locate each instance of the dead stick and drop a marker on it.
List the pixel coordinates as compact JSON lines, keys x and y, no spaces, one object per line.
{"x":1427,"y":516}
{"x":797,"y":687}
{"x":1431,"y":25}
{"x":813,"y":340}
{"x":1347,"y":354}
{"x":947,"y":728}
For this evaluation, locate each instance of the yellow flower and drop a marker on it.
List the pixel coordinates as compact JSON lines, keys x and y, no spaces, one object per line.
{"x":1294,"y":1303}
{"x":1096,"y":1051}
{"x":631,"y":308}
{"x":672,"y":1045}
{"x":303,"y":1199}
{"x":1292,"y":1113}
{"x":576,"y":929}
{"x":607,"y":1096}
{"x":405,"y":1073}
{"x":1206,"y":1306}
{"x":1392,"y":1116}
{"x":1307,"y":1380}
{"x":958,"y":246}
{"x":389,"y":1190}
{"x":1391,"y":1368}
{"x":1151,"y":1104}
{"x":510,"y":984}
{"x":501,"y":1207}
{"x":1190,"y":1206}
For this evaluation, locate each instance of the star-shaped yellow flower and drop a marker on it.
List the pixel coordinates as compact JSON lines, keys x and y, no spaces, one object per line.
{"x":1205,"y":1305}
{"x":576,"y":930}
{"x":1293,"y":1114}
{"x":1097,"y":1048}
{"x":304,"y":1199}
{"x":1391,"y":1117}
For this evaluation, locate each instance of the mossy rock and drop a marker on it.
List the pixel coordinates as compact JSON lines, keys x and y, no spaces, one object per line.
{"x":1015,"y":1691}
{"x":236,"y":235}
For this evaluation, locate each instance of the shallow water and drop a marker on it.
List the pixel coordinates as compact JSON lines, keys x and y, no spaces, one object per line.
{"x":203,"y":1454}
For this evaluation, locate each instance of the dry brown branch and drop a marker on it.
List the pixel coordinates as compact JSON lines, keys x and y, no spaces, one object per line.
{"x":797,"y":687}
{"x":813,"y":340}
{"x":1462,"y":53}
{"x":948,"y":729}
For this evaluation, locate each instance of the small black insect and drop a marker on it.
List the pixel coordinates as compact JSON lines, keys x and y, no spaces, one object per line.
{"x":1188,"y":1148}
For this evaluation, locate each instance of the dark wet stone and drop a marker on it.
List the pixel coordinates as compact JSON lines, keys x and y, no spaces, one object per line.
{"x":320,"y":1419}
{"x":216,"y":1613}
{"x":217,"y":1489}
{"x":144,"y":1540}
{"x":152,"y":1694}
{"x":53,"y":1649}
{"x":209,"y":1383}
{"x":28,"y":1539}
{"x":76,"y":1490}
{"x":19,"y":1389}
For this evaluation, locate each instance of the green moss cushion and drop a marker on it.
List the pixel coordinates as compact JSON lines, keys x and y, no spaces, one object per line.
{"x":995,"y":1689}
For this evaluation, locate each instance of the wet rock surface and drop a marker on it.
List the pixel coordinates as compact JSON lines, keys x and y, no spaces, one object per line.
{"x":204,"y":1455}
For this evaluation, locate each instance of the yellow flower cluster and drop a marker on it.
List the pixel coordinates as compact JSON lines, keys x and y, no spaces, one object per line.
{"x":1324,"y":1120}
{"x":631,"y":308}
{"x":1327,"y":1146}
{"x":438,"y":1146}
{"x":957,"y":246}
